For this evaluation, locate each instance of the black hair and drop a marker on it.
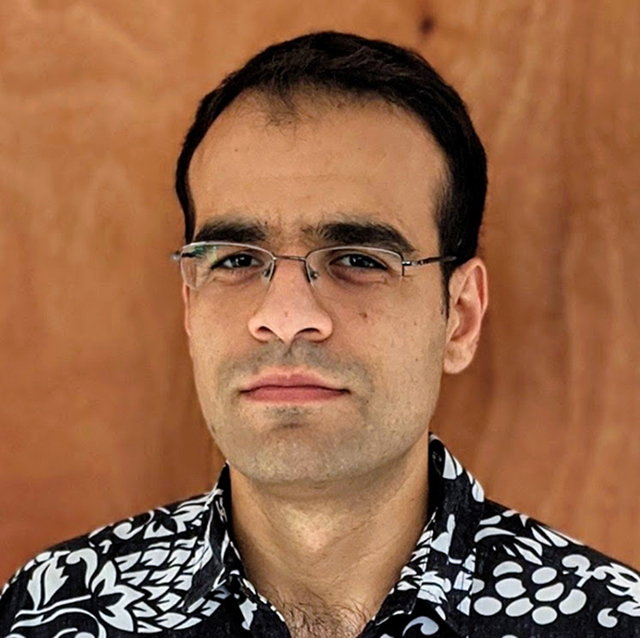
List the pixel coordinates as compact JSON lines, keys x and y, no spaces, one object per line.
{"x":340,"y":64}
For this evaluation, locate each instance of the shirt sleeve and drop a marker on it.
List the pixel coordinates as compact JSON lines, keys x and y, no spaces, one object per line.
{"x":13,"y":597}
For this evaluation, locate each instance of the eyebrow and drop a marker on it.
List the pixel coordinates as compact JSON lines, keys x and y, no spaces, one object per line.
{"x":236,"y":231}
{"x":348,"y":232}
{"x":358,"y":232}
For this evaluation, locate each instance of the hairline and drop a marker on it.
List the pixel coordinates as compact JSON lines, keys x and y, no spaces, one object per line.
{"x":289,"y":109}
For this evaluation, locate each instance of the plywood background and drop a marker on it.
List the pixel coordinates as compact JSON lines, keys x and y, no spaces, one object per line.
{"x":97,"y":413}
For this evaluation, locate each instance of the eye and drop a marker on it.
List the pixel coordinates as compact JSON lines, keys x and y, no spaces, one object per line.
{"x":238,"y":261}
{"x":360,"y":267}
{"x":224,"y":264}
{"x":358,"y":260}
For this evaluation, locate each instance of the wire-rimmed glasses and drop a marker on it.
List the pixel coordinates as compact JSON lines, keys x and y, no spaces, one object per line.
{"x":232,"y":265}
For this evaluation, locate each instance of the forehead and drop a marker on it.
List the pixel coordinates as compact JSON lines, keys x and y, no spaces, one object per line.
{"x":322,"y":164}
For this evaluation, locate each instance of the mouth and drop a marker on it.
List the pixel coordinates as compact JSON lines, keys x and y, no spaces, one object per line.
{"x":292,"y":394}
{"x":296,"y":388}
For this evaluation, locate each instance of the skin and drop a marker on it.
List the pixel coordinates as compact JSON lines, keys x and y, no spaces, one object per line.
{"x":328,"y":497}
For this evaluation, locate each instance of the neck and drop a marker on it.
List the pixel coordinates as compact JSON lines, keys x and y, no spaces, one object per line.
{"x":333,"y":548}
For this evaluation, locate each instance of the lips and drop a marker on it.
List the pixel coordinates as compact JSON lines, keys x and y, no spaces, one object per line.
{"x":292,"y":394}
{"x":298,"y":380}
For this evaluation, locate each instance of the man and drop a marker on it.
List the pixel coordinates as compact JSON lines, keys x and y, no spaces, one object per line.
{"x":333,"y":191}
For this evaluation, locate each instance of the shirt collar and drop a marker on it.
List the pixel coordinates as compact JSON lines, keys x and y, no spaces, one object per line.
{"x":219,"y":560}
{"x":441,"y":568}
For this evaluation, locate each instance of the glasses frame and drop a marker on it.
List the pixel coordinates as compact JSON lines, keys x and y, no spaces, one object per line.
{"x":311,"y":275}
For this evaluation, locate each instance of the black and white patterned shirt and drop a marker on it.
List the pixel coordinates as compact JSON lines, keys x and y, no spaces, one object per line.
{"x":477,"y":570}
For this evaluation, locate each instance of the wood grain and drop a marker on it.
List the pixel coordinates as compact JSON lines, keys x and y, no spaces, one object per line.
{"x":550,"y":411}
{"x":99,"y":419}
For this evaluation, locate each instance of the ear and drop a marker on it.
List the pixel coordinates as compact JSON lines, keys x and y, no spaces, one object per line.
{"x":186,"y":292}
{"x":468,"y":299}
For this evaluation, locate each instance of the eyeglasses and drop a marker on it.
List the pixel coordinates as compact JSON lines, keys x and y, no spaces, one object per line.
{"x":240,"y":266}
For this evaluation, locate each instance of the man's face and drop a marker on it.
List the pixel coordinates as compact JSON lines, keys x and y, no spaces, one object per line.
{"x":383,"y":349}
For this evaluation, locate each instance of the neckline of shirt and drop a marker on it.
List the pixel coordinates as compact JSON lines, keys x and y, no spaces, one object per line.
{"x":441,"y":568}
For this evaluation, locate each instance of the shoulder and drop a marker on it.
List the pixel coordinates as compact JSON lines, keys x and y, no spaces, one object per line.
{"x":119,"y":563}
{"x":527,"y":570}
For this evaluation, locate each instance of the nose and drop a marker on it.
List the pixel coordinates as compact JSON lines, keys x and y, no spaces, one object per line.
{"x":290,"y":308}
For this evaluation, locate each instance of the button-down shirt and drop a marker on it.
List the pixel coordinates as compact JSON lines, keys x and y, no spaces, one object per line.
{"x":478,"y":569}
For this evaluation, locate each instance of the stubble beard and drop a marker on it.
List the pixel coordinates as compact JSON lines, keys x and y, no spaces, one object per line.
{"x":297,"y":445}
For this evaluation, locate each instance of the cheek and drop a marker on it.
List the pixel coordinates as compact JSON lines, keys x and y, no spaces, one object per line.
{"x":213,"y":322}
{"x":411,"y":350}
{"x":211,"y":338}
{"x":396,"y":338}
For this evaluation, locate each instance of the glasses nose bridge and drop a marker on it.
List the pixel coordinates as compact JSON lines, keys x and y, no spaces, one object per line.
{"x":307,"y":270}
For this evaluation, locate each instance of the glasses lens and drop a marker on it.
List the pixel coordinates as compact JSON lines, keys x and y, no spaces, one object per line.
{"x":356,"y":266}
{"x":223,"y":264}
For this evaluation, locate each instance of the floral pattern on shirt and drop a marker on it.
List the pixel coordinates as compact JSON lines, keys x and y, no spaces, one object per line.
{"x":478,"y":569}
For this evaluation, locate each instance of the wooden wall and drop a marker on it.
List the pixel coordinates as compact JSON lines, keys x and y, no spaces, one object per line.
{"x":97,"y":413}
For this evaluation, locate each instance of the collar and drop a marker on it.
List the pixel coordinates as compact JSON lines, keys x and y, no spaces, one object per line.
{"x":439,"y":573}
